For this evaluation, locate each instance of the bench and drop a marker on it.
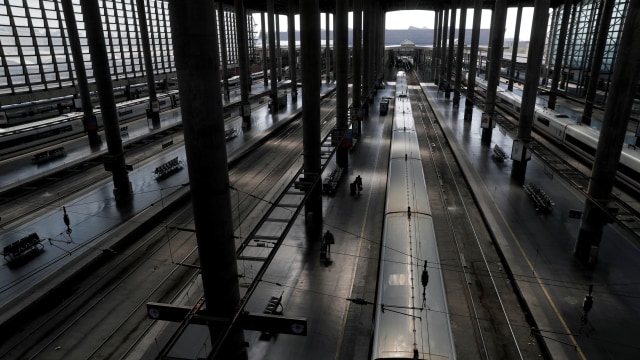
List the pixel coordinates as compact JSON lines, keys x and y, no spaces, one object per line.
{"x":23,"y":249}
{"x":330,"y":183}
{"x":542,"y":201}
{"x":48,"y":155}
{"x":169,"y":168}
{"x":499,"y":153}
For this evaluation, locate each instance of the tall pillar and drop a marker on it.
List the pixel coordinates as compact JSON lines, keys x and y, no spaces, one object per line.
{"x":291,"y":39}
{"x":598,"y":53}
{"x":272,"y":53}
{"x":278,"y":48}
{"x":460,"y":52}
{"x":624,"y":82}
{"x":89,"y":120}
{"x":434,"y":50}
{"x":443,"y":48}
{"x":327,"y":47}
{"x":243,"y":59}
{"x":514,"y":52}
{"x":265,"y":72}
{"x":341,"y":46}
{"x":366,"y":61}
{"x":357,"y":63}
{"x":473,"y":60}
{"x":195,"y":45}
{"x":498,"y":23}
{"x":550,"y":45}
{"x":557,"y":65}
{"x":154,"y":107}
{"x":530,"y":91}
{"x":223,"y":49}
{"x":98,"y":50}
{"x":452,"y":39}
{"x":310,"y":55}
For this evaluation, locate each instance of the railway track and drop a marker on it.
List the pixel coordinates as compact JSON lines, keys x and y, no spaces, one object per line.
{"x":104,"y":314}
{"x":471,"y":266}
{"x":576,"y":172}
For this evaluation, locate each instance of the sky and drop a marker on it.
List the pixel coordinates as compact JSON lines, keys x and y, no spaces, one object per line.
{"x":420,"y":18}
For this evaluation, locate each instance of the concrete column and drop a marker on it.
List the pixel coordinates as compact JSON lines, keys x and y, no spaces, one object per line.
{"x":557,"y":65}
{"x":341,"y":46}
{"x":624,"y":82}
{"x":366,"y":45}
{"x":452,"y":38}
{"x":272,"y":52}
{"x":460,"y":52}
{"x":265,"y":74}
{"x":572,"y":40}
{"x":514,"y":53}
{"x":531,"y":82}
{"x":89,"y":120}
{"x":223,"y":49}
{"x":356,"y":92}
{"x":98,"y":50}
{"x":154,"y":107}
{"x":434,"y":50}
{"x":327,"y":49}
{"x":291,"y":39}
{"x":550,"y":46}
{"x":598,"y":53}
{"x":243,"y":59}
{"x":195,"y":45}
{"x":278,"y":48}
{"x":443,"y":48}
{"x":473,"y":60}
{"x":311,"y":81}
{"x":498,"y":23}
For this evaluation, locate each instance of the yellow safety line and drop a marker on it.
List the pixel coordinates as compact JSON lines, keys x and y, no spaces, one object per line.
{"x":544,"y":290}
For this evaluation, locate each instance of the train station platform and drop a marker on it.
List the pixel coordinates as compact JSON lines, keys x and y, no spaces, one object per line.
{"x":94,"y":218}
{"x":538,"y":247}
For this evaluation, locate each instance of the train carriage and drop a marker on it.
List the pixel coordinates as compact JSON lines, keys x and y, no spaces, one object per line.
{"x":411,"y":320}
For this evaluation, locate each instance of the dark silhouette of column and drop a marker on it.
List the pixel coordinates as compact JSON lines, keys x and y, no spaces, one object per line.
{"x":434,"y":49}
{"x":473,"y":60}
{"x":531,"y":82}
{"x":272,"y":53}
{"x":341,"y":46}
{"x":265,"y":72}
{"x":443,"y":49}
{"x":452,"y":39}
{"x":460,"y":52}
{"x":243,"y":59}
{"x":278,"y":48}
{"x":223,"y":49}
{"x":514,"y":52}
{"x":356,"y":92}
{"x":115,"y":161}
{"x":291,"y":39}
{"x":154,"y":107}
{"x":498,"y":23}
{"x":195,"y":45}
{"x":311,"y":81}
{"x":366,"y":61}
{"x":624,"y":82}
{"x":550,"y":45}
{"x":89,"y":120}
{"x":557,"y":65}
{"x":596,"y":64}
{"x":327,"y":47}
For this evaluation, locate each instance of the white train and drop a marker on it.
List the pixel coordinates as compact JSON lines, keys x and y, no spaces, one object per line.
{"x":581,"y":139}
{"x":25,"y":136}
{"x":411,"y":321}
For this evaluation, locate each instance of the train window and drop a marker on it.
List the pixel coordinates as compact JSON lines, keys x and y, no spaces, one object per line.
{"x":580,"y":145}
{"x":543,"y":121}
{"x":562,"y":116}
